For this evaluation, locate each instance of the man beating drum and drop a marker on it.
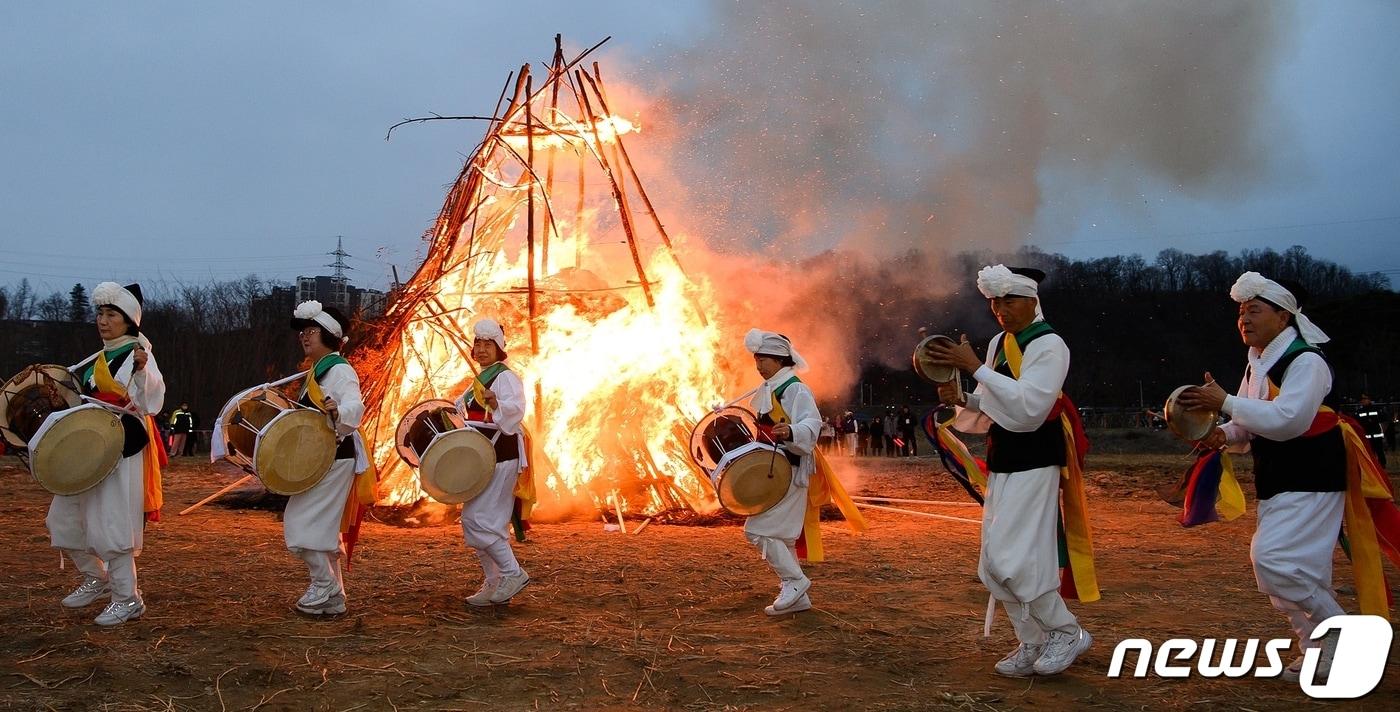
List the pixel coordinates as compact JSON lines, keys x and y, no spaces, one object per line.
{"x":101,"y":529}
{"x":496,"y":396}
{"x":321,"y":524}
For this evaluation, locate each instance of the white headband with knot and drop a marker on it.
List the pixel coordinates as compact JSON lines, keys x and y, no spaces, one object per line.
{"x":998,"y":281}
{"x":111,"y":294}
{"x":771,"y":343}
{"x":312,"y":311}
{"x":490,"y":329}
{"x":1252,"y":285}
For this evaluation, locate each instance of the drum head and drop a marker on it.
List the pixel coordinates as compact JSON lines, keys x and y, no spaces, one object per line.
{"x":926,"y":369}
{"x":717,"y":432}
{"x":294,"y":451}
{"x":752,"y":479}
{"x":30,"y":396}
{"x":421,"y":424}
{"x":457,"y":466}
{"x":76,"y":448}
{"x":1188,"y":424}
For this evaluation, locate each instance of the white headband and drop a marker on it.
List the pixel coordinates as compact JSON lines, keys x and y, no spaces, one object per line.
{"x":771,"y":343}
{"x":490,"y":329}
{"x":998,"y":281}
{"x":312,"y":311}
{"x":1252,"y":285}
{"x":111,"y":294}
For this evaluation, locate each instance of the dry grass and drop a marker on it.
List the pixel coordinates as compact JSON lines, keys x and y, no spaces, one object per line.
{"x":670,"y":618}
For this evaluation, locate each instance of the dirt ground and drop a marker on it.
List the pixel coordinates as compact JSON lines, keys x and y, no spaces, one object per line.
{"x":670,"y":618}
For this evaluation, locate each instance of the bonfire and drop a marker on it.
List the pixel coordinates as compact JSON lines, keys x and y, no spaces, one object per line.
{"x":549,"y":229}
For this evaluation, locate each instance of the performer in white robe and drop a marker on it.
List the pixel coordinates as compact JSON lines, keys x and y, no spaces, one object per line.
{"x":311,"y":522}
{"x":1019,"y":560}
{"x":1300,"y":476}
{"x":774,"y":532}
{"x":101,"y":530}
{"x":497,"y":396}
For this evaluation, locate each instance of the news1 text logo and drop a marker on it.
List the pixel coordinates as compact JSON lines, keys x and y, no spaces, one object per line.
{"x":1363,"y":646}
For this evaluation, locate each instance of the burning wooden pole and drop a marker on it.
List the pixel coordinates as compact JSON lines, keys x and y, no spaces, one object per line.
{"x":621,"y":200}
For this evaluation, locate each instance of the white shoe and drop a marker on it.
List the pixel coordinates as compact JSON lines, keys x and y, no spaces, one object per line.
{"x":791,"y":592}
{"x":118,"y":613}
{"x":803,"y":603}
{"x":85,"y":594}
{"x":334,"y":605}
{"x":509,"y":585}
{"x":1061,"y":650}
{"x":482,"y":597}
{"x":315,"y":596}
{"x":1294,"y":670}
{"x":1021,"y":661}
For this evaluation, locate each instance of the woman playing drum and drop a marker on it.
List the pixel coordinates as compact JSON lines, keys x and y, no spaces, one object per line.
{"x":101,"y":529}
{"x":496,"y":396}
{"x":320,"y":524}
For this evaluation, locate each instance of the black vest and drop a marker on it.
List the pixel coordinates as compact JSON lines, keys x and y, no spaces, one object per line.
{"x":1015,"y":452}
{"x":507,"y":446}
{"x":1303,"y":464}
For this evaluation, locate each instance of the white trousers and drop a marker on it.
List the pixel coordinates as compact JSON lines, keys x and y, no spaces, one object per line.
{"x":102,"y":530}
{"x":774,"y":533}
{"x":1019,"y":562}
{"x":1292,"y":556}
{"x":486,"y":522}
{"x":311,"y":520}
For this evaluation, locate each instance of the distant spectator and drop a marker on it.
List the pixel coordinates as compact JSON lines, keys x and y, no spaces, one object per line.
{"x":906,"y":432}
{"x":877,"y":437}
{"x":1372,"y":421}
{"x":181,"y":425}
{"x":848,"y":423}
{"x":827,"y":434}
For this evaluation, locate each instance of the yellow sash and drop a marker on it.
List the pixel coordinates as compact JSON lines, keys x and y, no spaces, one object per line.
{"x":152,"y":498}
{"x":365,"y":490}
{"x":824,"y":487}
{"x":1073,"y":503}
{"x":1363,"y":482}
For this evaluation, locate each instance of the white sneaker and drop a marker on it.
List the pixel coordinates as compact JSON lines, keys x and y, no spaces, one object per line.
{"x":791,"y":592}
{"x":1294,"y":670}
{"x":1061,"y":650}
{"x":334,"y":605}
{"x":1021,"y":661}
{"x":482,"y":597}
{"x":85,"y":594}
{"x":315,"y":596}
{"x":509,"y":585}
{"x":118,"y":613}
{"x":803,"y":603}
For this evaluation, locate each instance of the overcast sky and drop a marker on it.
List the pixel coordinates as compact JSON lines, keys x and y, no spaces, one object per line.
{"x":186,"y":141}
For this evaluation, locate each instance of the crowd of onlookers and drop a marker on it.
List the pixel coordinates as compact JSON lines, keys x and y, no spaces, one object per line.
{"x":888,"y":433}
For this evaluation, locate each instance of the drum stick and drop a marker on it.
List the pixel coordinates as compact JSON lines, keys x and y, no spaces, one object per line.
{"x":215,"y":496}
{"x":918,"y":514}
{"x":746,"y":394}
{"x":916,"y":501}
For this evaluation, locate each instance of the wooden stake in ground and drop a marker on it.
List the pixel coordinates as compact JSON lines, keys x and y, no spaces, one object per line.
{"x":214,"y":496}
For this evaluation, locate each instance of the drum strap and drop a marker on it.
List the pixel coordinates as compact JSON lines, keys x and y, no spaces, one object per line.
{"x":483,"y":381}
{"x":1078,"y":578}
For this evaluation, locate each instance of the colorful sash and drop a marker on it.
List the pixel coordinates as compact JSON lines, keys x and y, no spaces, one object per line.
{"x":1211,"y":491}
{"x":364,"y":490}
{"x":968,"y":470}
{"x":525,"y":494}
{"x":1371,"y":521}
{"x":1077,"y":576}
{"x":823,"y":487}
{"x":153,"y":456}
